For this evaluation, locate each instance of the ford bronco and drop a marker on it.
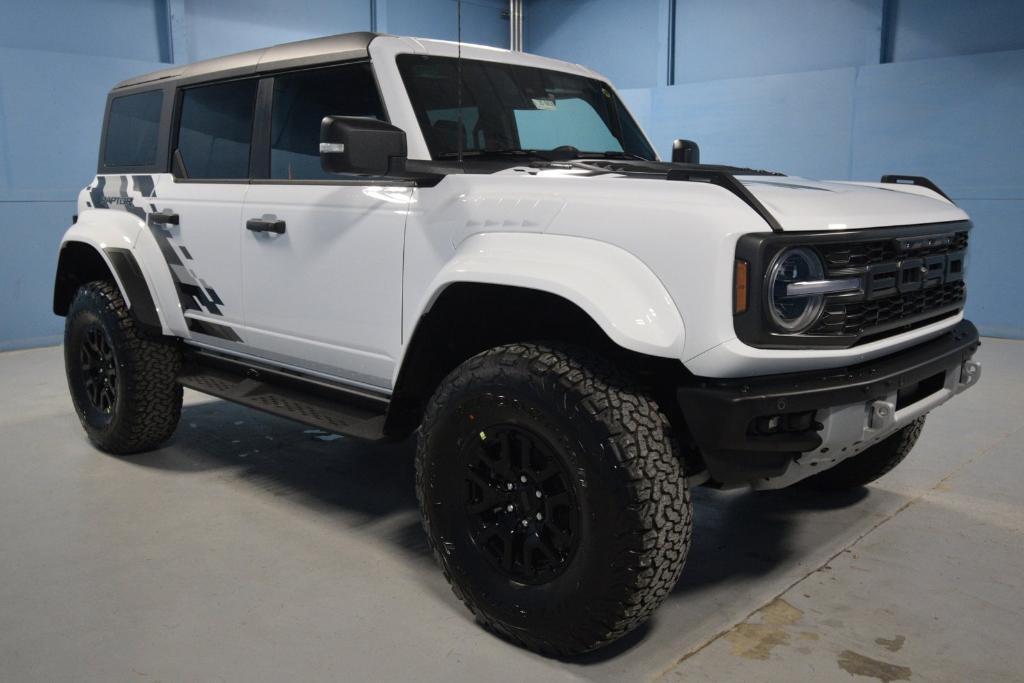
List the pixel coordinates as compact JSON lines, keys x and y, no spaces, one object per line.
{"x":383,"y":236}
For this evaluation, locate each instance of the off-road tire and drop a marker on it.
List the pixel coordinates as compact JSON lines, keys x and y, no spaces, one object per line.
{"x":147,"y":403}
{"x":634,"y":505}
{"x":866,"y":467}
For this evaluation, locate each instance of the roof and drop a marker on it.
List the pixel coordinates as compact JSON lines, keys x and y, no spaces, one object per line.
{"x":336,"y":48}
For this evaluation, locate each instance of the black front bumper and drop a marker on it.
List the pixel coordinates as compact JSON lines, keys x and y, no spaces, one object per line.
{"x":722,"y":414}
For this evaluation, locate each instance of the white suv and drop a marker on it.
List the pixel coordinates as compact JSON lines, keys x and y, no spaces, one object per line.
{"x":380,"y":236}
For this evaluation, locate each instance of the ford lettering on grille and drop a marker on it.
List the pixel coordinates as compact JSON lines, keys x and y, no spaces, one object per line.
{"x":913,"y":274}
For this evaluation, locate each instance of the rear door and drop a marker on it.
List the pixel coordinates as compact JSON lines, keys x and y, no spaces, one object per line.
{"x":325,"y":293}
{"x":201,"y":241}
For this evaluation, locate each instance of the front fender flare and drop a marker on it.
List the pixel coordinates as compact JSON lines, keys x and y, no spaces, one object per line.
{"x":616,"y":289}
{"x":111,"y":237}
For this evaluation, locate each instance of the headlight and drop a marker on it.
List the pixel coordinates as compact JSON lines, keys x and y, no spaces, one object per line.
{"x":794,"y":313}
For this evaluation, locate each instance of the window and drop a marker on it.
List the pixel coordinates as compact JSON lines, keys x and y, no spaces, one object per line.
{"x":565,"y":119}
{"x":515,"y":111}
{"x":215,"y":132}
{"x":133,"y":125}
{"x":301,"y":101}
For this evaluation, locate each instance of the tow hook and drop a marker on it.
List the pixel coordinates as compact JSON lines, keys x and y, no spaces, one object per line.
{"x":883,"y":415}
{"x":969,"y":374}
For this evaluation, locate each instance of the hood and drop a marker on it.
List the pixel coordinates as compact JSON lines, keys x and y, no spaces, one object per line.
{"x":801,"y":204}
{"x":795,"y":204}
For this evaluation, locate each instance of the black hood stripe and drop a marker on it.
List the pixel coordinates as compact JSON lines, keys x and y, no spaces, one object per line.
{"x":789,"y":185}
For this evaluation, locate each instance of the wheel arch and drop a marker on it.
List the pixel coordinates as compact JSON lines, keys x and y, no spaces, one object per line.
{"x":506,"y":288}
{"x":84,"y":260}
{"x":616,"y":290}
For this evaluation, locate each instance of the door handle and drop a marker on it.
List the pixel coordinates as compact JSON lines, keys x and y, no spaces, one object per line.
{"x":164,"y":218}
{"x":265,"y":225}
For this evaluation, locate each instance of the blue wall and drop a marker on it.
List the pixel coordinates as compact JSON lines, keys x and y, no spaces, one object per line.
{"x":799,"y":86}
{"x":208,"y":28}
{"x":211,"y":28}
{"x":720,"y":39}
{"x":58,"y":59}
{"x":626,"y":41}
{"x":923,"y":29}
{"x":482,"y":20}
{"x":731,"y":38}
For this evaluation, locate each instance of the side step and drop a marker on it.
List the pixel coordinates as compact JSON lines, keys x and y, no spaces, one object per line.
{"x":303,"y":399}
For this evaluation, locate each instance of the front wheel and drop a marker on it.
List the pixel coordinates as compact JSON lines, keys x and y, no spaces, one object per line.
{"x":552,"y":496}
{"x":122,"y":381}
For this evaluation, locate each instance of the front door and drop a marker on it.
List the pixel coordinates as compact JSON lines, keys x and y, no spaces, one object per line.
{"x":322,"y":254}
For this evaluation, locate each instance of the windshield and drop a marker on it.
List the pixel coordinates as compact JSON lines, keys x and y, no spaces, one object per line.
{"x":515,"y":110}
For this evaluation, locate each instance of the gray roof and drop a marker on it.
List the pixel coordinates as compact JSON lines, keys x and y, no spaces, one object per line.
{"x":324,"y":50}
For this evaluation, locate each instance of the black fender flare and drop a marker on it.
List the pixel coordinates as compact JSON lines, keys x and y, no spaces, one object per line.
{"x":81,"y":262}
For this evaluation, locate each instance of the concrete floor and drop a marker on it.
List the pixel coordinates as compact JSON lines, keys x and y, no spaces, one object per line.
{"x":251,"y":548}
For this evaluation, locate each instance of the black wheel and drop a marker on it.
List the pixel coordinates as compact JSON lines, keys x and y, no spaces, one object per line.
{"x":866,"y":467}
{"x":122,"y":381}
{"x":552,"y":496}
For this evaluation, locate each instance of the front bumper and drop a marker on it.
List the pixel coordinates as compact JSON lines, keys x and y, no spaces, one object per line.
{"x":774,"y":430}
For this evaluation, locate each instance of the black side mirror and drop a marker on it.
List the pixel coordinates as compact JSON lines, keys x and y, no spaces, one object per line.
{"x":351,"y":144}
{"x":685,"y":152}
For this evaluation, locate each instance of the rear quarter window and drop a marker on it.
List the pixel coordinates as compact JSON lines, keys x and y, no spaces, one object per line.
{"x":133,"y":127}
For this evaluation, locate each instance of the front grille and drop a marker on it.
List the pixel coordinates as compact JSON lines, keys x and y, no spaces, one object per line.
{"x":858,"y":318}
{"x":872,"y":252}
{"x":908,"y":282}
{"x":907,"y":277}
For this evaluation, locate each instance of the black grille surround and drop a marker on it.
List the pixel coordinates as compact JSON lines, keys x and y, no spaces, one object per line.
{"x":911,"y":276}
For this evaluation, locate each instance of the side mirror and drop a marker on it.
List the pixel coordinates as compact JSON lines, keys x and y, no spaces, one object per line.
{"x":352,"y":144}
{"x":685,"y":152}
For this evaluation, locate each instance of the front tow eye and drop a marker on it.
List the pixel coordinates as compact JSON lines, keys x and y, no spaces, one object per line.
{"x":970,"y":373}
{"x":883,"y":415}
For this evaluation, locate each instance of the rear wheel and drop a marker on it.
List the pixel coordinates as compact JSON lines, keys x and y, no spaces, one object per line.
{"x":552,"y":496}
{"x":866,"y":467}
{"x":122,"y":381}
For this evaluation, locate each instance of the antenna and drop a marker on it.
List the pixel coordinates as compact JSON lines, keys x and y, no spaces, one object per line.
{"x":459,"y":130}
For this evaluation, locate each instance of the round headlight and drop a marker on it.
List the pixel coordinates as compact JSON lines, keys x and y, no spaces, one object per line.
{"x":794,"y":313}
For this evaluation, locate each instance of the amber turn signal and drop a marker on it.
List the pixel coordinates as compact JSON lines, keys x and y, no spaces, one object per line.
{"x":739,"y":286}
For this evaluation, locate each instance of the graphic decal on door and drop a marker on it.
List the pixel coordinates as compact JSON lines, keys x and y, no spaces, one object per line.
{"x":134,"y":195}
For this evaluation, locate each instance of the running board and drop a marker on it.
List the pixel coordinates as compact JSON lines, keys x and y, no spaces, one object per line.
{"x":309,"y":401}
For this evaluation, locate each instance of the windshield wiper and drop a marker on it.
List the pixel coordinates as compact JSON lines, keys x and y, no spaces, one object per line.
{"x":543,"y":154}
{"x":493,"y":153}
{"x":610,"y":155}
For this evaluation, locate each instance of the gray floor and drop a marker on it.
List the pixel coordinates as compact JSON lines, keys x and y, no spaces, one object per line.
{"x":250,"y":548}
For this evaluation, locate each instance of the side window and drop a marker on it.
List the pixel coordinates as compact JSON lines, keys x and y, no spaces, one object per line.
{"x":215,"y":129}
{"x":133,"y":125}
{"x":301,"y":101}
